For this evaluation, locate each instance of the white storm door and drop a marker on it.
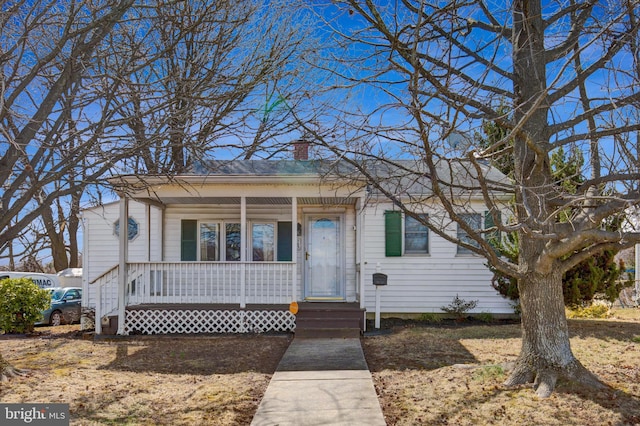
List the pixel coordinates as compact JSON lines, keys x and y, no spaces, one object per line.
{"x":324,"y":258}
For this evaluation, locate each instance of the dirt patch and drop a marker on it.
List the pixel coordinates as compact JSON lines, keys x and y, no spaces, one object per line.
{"x":451,"y":374}
{"x":216,"y":380}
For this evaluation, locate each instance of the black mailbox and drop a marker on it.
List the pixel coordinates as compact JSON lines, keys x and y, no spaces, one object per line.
{"x":379,"y":279}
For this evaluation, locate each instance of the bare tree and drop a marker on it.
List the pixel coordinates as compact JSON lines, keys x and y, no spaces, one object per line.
{"x":567,"y":73}
{"x":227,"y":79}
{"x":47,"y":83}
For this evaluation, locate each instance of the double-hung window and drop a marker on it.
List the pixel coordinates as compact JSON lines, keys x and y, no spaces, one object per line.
{"x":491,"y":232}
{"x":412,"y":238}
{"x":263,"y":241}
{"x":416,"y":235}
{"x":220,"y":241}
{"x":474,"y":221}
{"x":210,"y":241}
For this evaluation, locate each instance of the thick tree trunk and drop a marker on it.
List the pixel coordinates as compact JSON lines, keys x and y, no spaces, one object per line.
{"x":546,"y":352}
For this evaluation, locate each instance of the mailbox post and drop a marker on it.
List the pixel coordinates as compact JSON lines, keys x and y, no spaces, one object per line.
{"x":379,"y":280}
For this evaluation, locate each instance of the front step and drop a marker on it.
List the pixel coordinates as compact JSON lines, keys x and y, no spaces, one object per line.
{"x":328,"y":333}
{"x":324,"y":320}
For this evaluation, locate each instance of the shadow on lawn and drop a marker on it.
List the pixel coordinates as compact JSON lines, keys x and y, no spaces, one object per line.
{"x":195,"y":355}
{"x":604,"y":329}
{"x":419,"y":346}
{"x":615,"y":400}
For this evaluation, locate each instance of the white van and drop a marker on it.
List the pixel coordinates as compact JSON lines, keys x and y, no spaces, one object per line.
{"x":70,"y":277}
{"x":42,"y":280}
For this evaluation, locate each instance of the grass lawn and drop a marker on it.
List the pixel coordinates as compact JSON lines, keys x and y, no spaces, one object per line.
{"x":144,"y":381}
{"x":428,"y":374}
{"x":452,"y":375}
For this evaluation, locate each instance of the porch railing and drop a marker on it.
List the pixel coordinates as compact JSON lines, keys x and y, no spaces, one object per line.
{"x":210,"y":282}
{"x":106,"y":295}
{"x":239,"y":283}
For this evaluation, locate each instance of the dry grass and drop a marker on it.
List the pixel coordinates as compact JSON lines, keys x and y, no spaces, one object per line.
{"x":165,"y":381}
{"x":446,"y":374}
{"x":452,"y":375}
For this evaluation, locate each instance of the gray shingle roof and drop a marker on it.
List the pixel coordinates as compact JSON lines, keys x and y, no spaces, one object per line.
{"x":397,"y":176}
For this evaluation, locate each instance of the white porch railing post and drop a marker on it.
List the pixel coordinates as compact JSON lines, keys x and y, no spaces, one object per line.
{"x":243,"y":251}
{"x":294,"y":248}
{"x":360,"y":241}
{"x":637,"y":275}
{"x":98,"y":313}
{"x":122,"y":263}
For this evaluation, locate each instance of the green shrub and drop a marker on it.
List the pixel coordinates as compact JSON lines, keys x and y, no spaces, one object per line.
{"x":21,"y":304}
{"x":459,"y":307}
{"x":592,"y":311}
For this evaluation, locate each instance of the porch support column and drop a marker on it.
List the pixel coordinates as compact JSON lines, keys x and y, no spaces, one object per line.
{"x":294,"y":248}
{"x":123,"y":220}
{"x":243,"y":251}
{"x":637,"y":276}
{"x":362,"y":254}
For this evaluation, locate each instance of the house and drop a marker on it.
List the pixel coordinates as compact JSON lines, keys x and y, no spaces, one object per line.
{"x":229,"y":246}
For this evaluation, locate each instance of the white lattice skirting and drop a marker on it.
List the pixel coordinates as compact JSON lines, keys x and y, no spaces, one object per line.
{"x":172,"y":321}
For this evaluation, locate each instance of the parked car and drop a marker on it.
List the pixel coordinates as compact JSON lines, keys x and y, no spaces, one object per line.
{"x":65,"y":306}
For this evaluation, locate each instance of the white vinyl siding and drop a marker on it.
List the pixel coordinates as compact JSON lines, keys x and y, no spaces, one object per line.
{"x":101,"y":244}
{"x":418,"y":284}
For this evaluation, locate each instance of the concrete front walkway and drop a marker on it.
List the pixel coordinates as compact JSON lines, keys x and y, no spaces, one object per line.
{"x":321,"y":382}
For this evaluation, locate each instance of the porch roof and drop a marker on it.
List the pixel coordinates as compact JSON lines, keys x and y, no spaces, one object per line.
{"x":410,"y":177}
{"x":270,"y":201}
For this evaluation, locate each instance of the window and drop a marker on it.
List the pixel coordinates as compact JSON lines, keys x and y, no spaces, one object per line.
{"x":220,"y":241}
{"x":209,"y":241}
{"x":263,"y":242}
{"x":132,"y":228}
{"x":474,"y":220}
{"x":416,"y":236}
{"x":202,"y":241}
{"x":493,"y":237}
{"x":232,"y":237}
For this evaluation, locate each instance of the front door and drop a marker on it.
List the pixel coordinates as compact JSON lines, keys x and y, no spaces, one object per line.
{"x":324,"y":258}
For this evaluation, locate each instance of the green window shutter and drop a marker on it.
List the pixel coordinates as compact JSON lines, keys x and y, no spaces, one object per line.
{"x":284,"y":241}
{"x":189,"y":240}
{"x":393,"y":233}
{"x":492,"y":237}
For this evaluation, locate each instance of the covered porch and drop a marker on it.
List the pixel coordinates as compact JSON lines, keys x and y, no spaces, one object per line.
{"x":251,"y":280}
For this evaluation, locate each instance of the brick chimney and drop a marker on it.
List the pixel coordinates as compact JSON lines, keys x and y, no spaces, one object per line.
{"x":301,"y":150}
